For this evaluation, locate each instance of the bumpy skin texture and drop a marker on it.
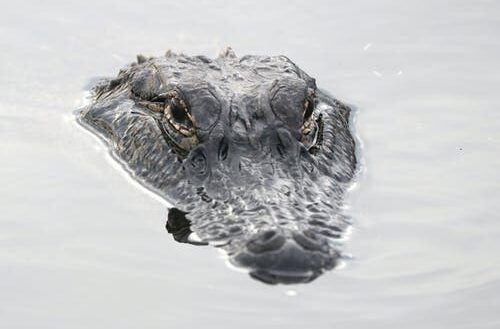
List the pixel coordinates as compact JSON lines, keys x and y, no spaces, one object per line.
{"x":250,"y":152}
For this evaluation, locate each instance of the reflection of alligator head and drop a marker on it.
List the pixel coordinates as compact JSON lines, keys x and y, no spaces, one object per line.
{"x":255,"y":158}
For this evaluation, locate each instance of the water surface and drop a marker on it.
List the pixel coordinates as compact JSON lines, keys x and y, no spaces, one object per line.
{"x":81,"y":246}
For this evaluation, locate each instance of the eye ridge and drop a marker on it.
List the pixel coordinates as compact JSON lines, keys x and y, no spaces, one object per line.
{"x":154,"y":104}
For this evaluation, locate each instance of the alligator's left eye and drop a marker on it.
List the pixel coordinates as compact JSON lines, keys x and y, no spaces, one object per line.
{"x":311,"y":125}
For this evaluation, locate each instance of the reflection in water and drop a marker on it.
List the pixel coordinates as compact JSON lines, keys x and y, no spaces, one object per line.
{"x":180,"y":228}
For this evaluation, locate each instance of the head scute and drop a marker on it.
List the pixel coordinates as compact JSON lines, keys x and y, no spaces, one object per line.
{"x":227,"y":52}
{"x":169,"y":53}
{"x":141,"y":58}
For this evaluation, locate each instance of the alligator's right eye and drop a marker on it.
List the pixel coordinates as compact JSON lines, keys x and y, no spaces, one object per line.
{"x":179,"y":130}
{"x":176,"y":124}
{"x":178,"y":115}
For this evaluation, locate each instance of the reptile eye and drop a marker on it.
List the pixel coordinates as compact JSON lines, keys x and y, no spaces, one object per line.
{"x":178,"y":126}
{"x":178,"y":112}
{"x":178,"y":116}
{"x":312,"y":126}
{"x":308,"y":108}
{"x":308,"y":123}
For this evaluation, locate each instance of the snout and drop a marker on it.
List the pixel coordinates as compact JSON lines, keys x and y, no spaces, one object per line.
{"x":286,"y":256}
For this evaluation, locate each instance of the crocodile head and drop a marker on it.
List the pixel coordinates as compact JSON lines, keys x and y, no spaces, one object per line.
{"x":253,"y":156}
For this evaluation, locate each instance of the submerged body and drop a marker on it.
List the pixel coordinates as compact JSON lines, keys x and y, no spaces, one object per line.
{"x":254,"y":157}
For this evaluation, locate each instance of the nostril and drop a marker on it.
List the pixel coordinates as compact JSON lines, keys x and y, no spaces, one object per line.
{"x":266,"y":241}
{"x":267,"y":235}
{"x":309,"y":240}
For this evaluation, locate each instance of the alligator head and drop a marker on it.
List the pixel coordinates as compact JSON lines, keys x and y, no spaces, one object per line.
{"x":254,"y":157}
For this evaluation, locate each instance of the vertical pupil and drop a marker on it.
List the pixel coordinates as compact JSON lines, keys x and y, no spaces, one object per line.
{"x":309,"y":109}
{"x":178,"y":113}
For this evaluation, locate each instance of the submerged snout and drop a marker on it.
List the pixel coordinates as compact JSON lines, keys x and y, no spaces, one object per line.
{"x":286,"y":256}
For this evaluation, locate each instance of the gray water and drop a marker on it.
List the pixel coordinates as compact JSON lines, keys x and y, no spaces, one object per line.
{"x":81,"y":246}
